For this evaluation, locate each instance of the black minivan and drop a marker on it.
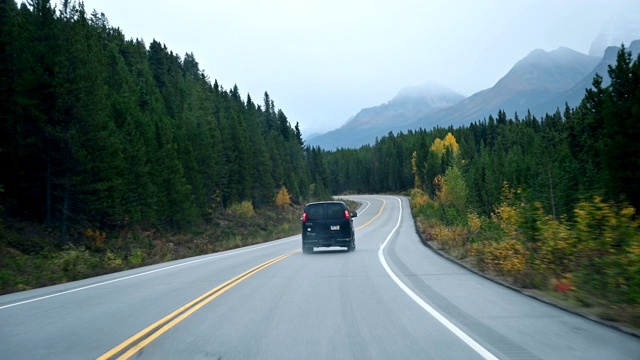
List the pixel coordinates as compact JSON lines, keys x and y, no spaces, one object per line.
{"x":326,"y":224}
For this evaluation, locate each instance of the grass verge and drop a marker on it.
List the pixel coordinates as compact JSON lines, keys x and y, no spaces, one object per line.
{"x":31,"y":255}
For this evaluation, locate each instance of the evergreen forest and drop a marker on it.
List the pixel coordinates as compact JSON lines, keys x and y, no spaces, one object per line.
{"x":105,"y":131}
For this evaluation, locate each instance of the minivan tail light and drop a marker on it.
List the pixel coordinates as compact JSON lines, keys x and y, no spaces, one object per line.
{"x":347,"y":215}
{"x":304,"y":217}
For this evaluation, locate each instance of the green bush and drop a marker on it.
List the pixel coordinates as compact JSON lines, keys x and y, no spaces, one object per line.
{"x":136,"y":257}
{"x":243,"y":210}
{"x":113,"y":261}
{"x":76,"y":263}
{"x":608,"y":250}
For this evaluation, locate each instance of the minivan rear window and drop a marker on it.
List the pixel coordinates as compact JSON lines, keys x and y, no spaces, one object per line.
{"x":335,"y":211}
{"x":315,"y":212}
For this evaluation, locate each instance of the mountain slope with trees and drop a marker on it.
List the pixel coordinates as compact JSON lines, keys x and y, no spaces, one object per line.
{"x":573,"y":96}
{"x":105,"y":141}
{"x":97,"y":128}
{"x":540,"y":82}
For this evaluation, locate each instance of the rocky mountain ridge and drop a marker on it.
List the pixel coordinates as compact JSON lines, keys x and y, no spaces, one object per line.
{"x":541,"y":82}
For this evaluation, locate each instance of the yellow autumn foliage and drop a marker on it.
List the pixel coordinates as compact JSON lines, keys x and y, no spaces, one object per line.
{"x":605,"y":227}
{"x":418,"y":198}
{"x":507,"y":258}
{"x":440,"y":146}
{"x":451,"y":143}
{"x":283,"y":199}
{"x":450,"y":238}
{"x":556,"y":248}
{"x":474,"y":222}
{"x":506,"y":214}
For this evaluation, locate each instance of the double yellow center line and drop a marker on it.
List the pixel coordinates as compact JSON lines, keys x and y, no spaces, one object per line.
{"x":132,"y":345}
{"x":135,"y":343}
{"x":384,"y":203}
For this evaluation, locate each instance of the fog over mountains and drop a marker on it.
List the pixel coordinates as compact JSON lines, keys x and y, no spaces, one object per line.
{"x":541,"y":83}
{"x":399,"y":114}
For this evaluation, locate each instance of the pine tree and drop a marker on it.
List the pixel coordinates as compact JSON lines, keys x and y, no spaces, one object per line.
{"x":283,"y":199}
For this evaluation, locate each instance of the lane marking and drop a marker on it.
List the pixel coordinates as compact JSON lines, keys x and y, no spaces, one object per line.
{"x":384,"y":203}
{"x":132,"y":345}
{"x":448,"y":324}
{"x":231,"y":252}
{"x":365,"y":208}
{"x":215,"y":256}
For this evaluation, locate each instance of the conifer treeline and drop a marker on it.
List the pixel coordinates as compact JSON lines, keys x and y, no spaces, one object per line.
{"x":98,"y":129}
{"x":102,"y":130}
{"x":590,"y":150}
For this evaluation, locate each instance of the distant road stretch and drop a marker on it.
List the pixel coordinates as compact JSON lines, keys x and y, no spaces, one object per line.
{"x":392,"y":298}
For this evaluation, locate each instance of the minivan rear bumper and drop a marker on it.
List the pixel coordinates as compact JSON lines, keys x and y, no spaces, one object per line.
{"x":325,"y":241}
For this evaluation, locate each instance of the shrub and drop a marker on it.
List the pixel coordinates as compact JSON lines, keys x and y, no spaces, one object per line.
{"x":507,"y":258}
{"x":113,"y":261}
{"x":136,"y":257}
{"x":489,"y":231}
{"x":418,"y":199}
{"x":75,"y":263}
{"x":556,"y":248}
{"x":474,"y":221}
{"x":506,"y":214}
{"x":243,"y":210}
{"x":95,"y":238}
{"x":450,"y":238}
{"x":608,"y":250}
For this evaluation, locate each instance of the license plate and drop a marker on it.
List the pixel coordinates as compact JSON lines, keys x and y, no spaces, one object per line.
{"x":335,"y":227}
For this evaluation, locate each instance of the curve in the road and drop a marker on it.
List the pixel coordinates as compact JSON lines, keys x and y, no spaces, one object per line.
{"x":443,"y":320}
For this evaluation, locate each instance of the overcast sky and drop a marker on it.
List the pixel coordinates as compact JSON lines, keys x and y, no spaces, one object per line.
{"x":321,"y":61}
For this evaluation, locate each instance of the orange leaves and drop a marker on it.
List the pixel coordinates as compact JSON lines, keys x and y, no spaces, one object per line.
{"x":95,"y":238}
{"x":439,"y":188}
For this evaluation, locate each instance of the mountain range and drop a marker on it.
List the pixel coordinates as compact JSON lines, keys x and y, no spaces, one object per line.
{"x":541,"y":83}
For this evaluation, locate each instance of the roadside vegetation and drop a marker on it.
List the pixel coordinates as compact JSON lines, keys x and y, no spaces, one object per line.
{"x":30,"y":257}
{"x":589,"y":261}
{"x":117,"y":154}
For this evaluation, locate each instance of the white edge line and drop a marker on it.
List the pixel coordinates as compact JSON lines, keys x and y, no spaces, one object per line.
{"x":454,"y":329}
{"x":365,"y":208}
{"x":356,"y":198}
{"x":149,"y":272}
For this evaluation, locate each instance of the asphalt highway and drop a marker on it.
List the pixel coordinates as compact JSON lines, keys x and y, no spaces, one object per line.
{"x":393,"y":298}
